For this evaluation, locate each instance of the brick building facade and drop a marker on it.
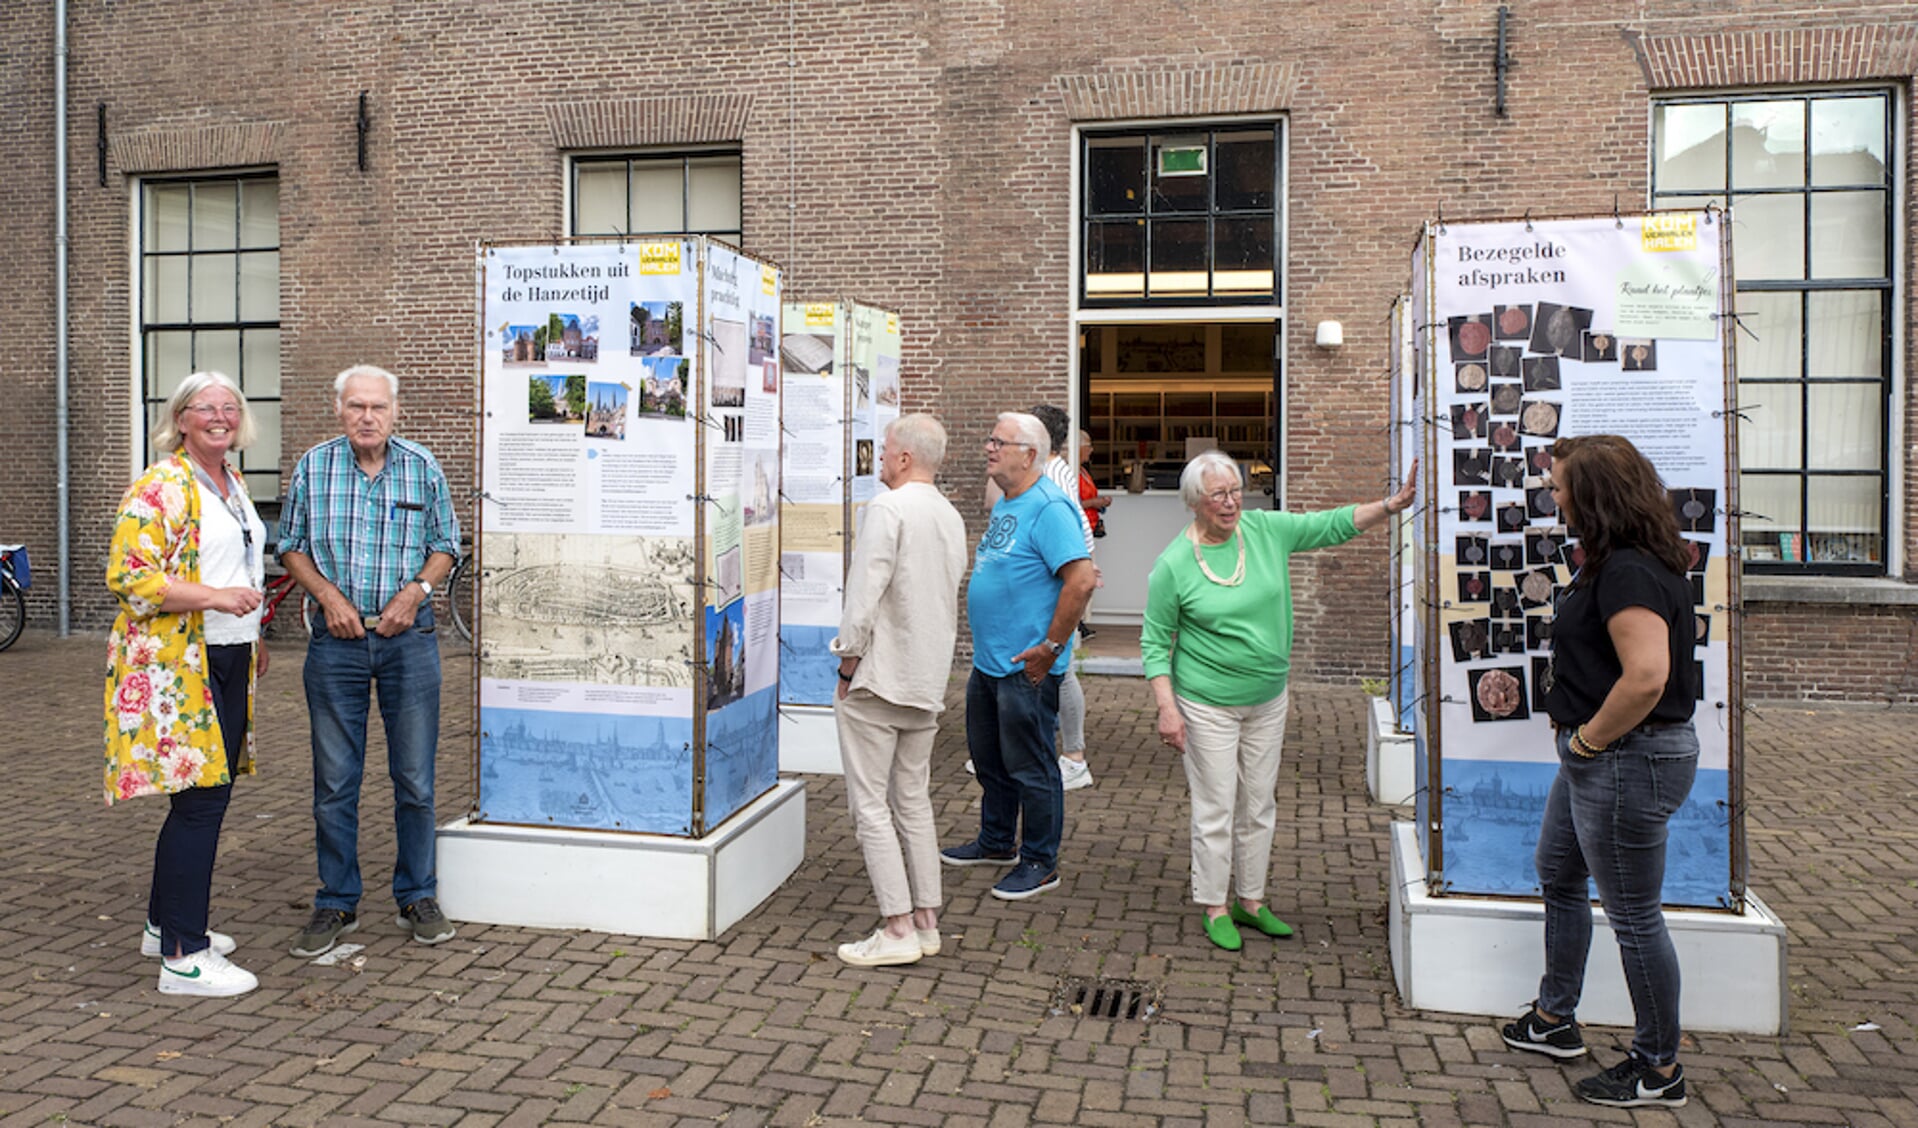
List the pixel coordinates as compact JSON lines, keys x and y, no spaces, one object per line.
{"x":918,"y":155}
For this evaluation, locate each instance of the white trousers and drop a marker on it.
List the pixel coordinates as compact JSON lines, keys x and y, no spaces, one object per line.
{"x":1232,"y":768}
{"x":887,"y":753}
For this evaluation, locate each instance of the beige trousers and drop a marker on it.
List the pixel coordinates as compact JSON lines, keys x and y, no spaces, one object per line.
{"x":887,"y":753}
{"x":1232,"y":767}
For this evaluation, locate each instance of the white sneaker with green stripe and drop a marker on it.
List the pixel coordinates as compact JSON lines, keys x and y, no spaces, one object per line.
{"x":205,"y":972}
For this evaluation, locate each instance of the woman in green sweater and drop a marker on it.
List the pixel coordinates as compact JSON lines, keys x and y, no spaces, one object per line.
{"x":1223,"y":590}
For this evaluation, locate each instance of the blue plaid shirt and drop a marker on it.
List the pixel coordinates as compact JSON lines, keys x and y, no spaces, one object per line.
{"x":369,"y":536}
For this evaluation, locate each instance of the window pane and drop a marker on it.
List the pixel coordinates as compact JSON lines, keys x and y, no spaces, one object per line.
{"x":213,"y":287}
{"x":1691,"y":147}
{"x":165,"y":282}
{"x":264,"y":454}
{"x":169,"y":361}
{"x":1771,"y":435}
{"x":1846,"y":426}
{"x":1847,"y":332}
{"x":1115,"y":176}
{"x":216,"y":216}
{"x":1844,"y":505}
{"x":714,"y":194}
{"x":1245,"y":348}
{"x":260,"y":362}
{"x":1768,"y":236}
{"x":1769,"y":343}
{"x":259,"y":213}
{"x":217,"y":350}
{"x":1769,"y":501}
{"x":1848,"y":140}
{"x":1242,"y":256}
{"x":1182,"y":193}
{"x":1178,"y":257}
{"x":1245,"y":171}
{"x":168,"y":206}
{"x":1115,"y":257}
{"x":262,"y":486}
{"x":1768,"y":144}
{"x":1848,"y":235}
{"x":659,"y":193}
{"x":599,"y":198}
{"x":260,"y":286}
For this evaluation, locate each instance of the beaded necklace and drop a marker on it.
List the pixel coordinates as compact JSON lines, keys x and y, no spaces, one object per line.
{"x":1238,"y":574}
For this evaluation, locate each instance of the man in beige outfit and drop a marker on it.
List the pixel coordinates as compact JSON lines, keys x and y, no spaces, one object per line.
{"x":895,"y":646}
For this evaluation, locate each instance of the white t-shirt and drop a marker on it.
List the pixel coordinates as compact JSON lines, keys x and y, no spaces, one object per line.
{"x":226,"y":561}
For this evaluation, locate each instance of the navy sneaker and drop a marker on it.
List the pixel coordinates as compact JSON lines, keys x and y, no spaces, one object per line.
{"x":973,"y":854}
{"x":1029,"y":879}
{"x":1533,"y":1034}
{"x":1632,"y":1084}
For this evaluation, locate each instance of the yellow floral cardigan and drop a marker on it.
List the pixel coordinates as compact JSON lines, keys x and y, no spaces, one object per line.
{"x":161,"y":732}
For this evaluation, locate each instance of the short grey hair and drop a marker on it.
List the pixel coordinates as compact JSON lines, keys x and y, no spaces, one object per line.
{"x":367,"y":370}
{"x":922,"y":436}
{"x":1031,"y":432}
{"x":1206,"y":463}
{"x":166,"y":433}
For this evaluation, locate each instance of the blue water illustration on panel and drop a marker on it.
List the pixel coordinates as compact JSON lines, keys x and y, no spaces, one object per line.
{"x":1408,"y":688}
{"x":742,"y":755}
{"x":587,"y":771}
{"x":808,"y":671}
{"x":1492,"y":812}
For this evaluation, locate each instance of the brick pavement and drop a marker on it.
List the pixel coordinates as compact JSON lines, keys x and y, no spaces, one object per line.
{"x":518,"y":1027}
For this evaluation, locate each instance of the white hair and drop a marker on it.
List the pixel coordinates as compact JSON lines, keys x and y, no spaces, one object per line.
{"x":1031,"y":432}
{"x":1206,"y":463}
{"x":922,"y":436}
{"x":166,"y":433}
{"x":372,"y":371}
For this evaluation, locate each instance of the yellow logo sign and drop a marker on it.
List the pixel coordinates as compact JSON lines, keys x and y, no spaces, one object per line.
{"x":769,"y":279}
{"x":1669,"y":233}
{"x":659,"y":258}
{"x":892,"y":325}
{"x":820,"y":315}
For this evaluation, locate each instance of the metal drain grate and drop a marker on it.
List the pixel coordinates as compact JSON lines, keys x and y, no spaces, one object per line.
{"x":1123,"y":1000}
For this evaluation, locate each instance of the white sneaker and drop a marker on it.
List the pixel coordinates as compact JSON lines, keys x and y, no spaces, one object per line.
{"x":970,"y":770}
{"x":881,"y":950}
{"x":150,"y":942}
{"x":205,"y":972}
{"x":928,"y":941}
{"x":1075,"y":773}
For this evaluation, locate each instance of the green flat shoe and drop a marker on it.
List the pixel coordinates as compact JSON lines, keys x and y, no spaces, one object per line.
{"x":1219,"y":930}
{"x":1265,"y":922}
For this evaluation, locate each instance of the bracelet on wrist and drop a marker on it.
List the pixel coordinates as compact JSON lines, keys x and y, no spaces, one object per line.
{"x":1583,"y":748}
{"x":844,"y":676}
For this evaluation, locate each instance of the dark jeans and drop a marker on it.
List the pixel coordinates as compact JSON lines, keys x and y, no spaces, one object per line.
{"x":190,"y":838}
{"x":1009,"y":731}
{"x":340,"y":676}
{"x":1606,"y":818}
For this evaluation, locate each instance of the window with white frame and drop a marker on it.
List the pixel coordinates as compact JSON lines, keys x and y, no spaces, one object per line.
{"x":1808,"y":176}
{"x":658,"y":194}
{"x":210,"y":301}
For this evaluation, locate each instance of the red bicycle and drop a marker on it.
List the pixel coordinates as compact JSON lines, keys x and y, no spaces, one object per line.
{"x":277,"y":589}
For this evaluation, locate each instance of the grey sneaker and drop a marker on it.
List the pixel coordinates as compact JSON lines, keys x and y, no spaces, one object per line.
{"x":326,"y":927}
{"x":428,"y":923}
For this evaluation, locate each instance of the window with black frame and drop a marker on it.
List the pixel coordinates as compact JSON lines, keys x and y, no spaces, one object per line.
{"x":1809,"y":178}
{"x":658,"y":193}
{"x":210,"y":301}
{"x":1180,"y":217}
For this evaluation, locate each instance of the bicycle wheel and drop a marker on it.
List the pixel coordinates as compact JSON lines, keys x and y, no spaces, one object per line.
{"x":13,"y":612}
{"x":461,"y":597}
{"x":308,"y":609}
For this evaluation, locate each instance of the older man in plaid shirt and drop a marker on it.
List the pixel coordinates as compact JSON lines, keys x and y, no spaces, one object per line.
{"x":369,"y":531}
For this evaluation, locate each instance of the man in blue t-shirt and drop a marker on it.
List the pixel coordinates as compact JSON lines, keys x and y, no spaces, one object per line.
{"x":1031,"y":579}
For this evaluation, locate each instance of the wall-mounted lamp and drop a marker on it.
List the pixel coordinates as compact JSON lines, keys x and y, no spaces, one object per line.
{"x":1331,"y":335}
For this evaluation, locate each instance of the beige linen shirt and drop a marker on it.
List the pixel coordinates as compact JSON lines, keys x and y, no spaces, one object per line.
{"x":901,"y":616}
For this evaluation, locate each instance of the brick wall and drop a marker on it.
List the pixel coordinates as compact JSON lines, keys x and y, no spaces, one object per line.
{"x":908,"y":153}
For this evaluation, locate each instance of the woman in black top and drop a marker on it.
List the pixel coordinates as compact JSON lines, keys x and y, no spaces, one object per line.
{"x":1620,"y":696}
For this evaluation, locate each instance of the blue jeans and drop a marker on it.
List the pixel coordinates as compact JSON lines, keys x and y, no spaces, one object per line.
{"x":1009,"y":731}
{"x":340,"y":674}
{"x":1606,"y":818}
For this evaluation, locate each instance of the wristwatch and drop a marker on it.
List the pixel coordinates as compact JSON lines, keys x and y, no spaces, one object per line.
{"x":1054,"y":647}
{"x":424,"y":586}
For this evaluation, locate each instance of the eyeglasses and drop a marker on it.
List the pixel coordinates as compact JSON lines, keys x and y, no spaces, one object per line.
{"x":208,"y":411}
{"x":1220,"y":497}
{"x":994,"y":442}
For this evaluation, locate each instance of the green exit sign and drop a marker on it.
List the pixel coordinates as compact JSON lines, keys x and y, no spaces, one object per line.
{"x":1182,"y":161}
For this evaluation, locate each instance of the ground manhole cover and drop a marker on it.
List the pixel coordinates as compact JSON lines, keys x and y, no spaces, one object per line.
{"x":1124,"y":1000}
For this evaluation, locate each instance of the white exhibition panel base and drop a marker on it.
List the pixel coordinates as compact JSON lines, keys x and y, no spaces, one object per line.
{"x":1481,"y":956}
{"x":1389,"y":773}
{"x":809,"y":740}
{"x":633,"y":884}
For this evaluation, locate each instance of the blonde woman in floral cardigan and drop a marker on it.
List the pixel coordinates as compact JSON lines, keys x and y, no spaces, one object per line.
{"x":186,"y":564}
